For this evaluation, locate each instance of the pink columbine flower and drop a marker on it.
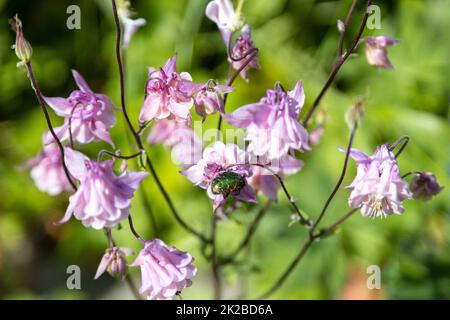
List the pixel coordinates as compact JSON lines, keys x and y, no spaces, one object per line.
{"x":242,"y":47}
{"x":378,"y":188}
{"x":272,"y":123}
{"x":47,"y":171}
{"x":130,"y":26}
{"x":223,"y":172}
{"x":103,"y":198}
{"x":209,"y":99}
{"x":185,"y":144}
{"x":169,"y":94}
{"x":165,"y":270}
{"x":89,"y":115}
{"x":114,"y":262}
{"x":376,"y":52}
{"x":222,"y":13}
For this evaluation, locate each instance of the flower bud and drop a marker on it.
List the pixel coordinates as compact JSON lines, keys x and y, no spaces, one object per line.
{"x":114,"y":262}
{"x":340,"y":26}
{"x":209,"y":99}
{"x":424,"y":186}
{"x":22,"y":47}
{"x":355,"y":114}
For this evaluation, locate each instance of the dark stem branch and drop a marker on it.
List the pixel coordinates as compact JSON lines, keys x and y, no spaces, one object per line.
{"x":43,"y":106}
{"x":230,"y":81}
{"x":346,"y":24}
{"x":303,"y":220}
{"x":302,"y":252}
{"x":136,"y":135}
{"x":337,"y":66}
{"x":341,"y":178}
{"x":250,"y":232}
{"x":403,"y":142}
{"x":133,"y":230}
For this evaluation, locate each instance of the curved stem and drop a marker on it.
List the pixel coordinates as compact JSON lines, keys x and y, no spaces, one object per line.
{"x":250,"y":232}
{"x":303,"y":220}
{"x":337,"y":223}
{"x":403,"y":142}
{"x":410,"y":173}
{"x":133,"y":230}
{"x":346,"y":23}
{"x":118,"y":156}
{"x":43,"y":106}
{"x":337,"y":66}
{"x":341,"y":178}
{"x":288,"y":271}
{"x":230,"y":82}
{"x":136,"y":135}
{"x":301,"y":254}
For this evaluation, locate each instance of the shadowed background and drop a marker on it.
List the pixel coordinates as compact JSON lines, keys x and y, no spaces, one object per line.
{"x":297,"y":40}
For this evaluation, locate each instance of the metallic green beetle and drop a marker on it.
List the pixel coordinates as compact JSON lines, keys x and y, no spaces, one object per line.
{"x":227,"y":183}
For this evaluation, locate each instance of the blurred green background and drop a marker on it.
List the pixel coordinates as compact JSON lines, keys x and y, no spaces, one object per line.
{"x":297,"y":40}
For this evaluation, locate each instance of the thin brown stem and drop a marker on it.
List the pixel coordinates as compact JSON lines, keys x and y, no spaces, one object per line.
{"x":340,"y":180}
{"x":303,"y":220}
{"x":138,"y":138}
{"x":230,"y":82}
{"x":346,"y":24}
{"x":42,"y":104}
{"x":133,"y":230}
{"x":336,"y":67}
{"x":333,"y":227}
{"x":288,"y":271}
{"x":403,"y":142}
{"x":250,"y":232}
{"x":312,"y":237}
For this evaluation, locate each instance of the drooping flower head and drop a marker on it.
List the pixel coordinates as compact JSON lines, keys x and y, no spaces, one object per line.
{"x":376,"y":52}
{"x":103,"y":198}
{"x":223,"y":172}
{"x":168,"y":94}
{"x":87,"y":115}
{"x":165,"y":270}
{"x":185,"y":144}
{"x":47,"y":171}
{"x":130,"y":25}
{"x":114,"y":262}
{"x":241,"y":48}
{"x":272,"y":123}
{"x":209,"y":99}
{"x":222,"y":13}
{"x":378,"y":188}
{"x":424,"y":186}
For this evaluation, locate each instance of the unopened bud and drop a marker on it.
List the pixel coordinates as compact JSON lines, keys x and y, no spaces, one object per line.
{"x":340,"y":26}
{"x":114,"y":262}
{"x":22,"y":47}
{"x":424,"y":186}
{"x":355,"y":114}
